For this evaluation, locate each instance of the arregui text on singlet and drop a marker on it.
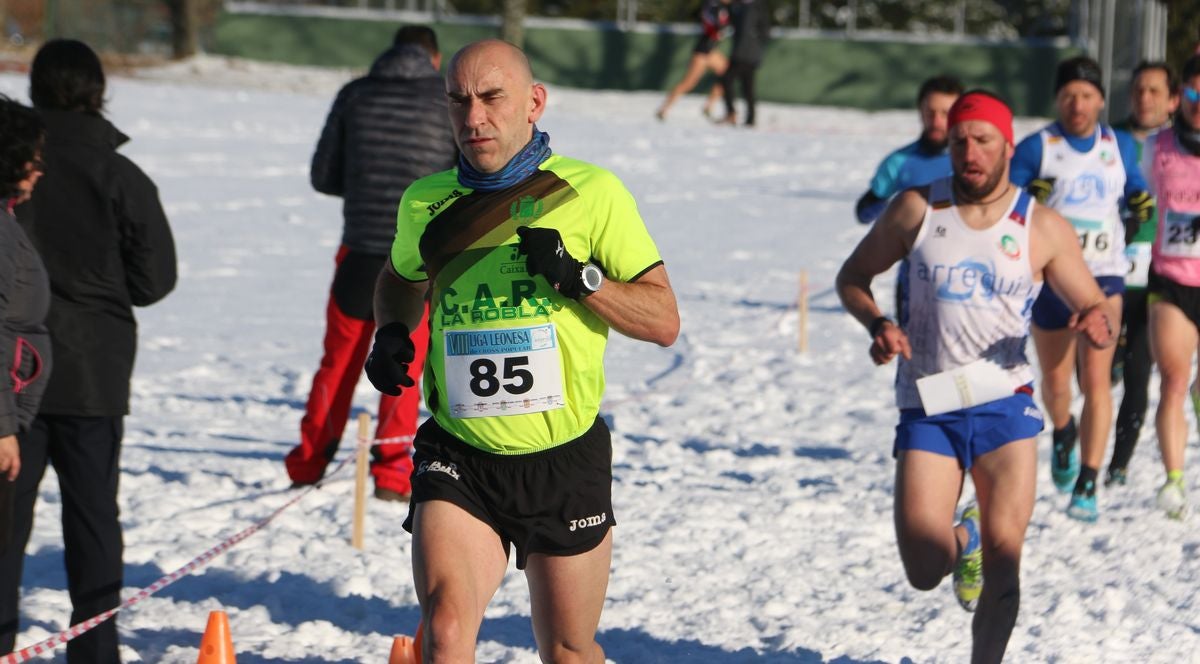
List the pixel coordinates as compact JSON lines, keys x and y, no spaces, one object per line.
{"x":1088,"y":187}
{"x":1175,"y":181}
{"x":965,"y":294}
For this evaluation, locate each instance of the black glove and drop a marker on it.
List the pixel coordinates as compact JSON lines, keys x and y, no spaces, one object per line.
{"x":1141,"y":208}
{"x":387,"y":365}
{"x":548,"y":257}
{"x":1040,"y":189}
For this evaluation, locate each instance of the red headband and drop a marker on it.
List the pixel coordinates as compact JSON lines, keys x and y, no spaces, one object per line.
{"x":980,"y":106}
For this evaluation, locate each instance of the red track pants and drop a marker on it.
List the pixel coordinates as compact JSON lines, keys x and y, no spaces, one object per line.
{"x":347,"y":341}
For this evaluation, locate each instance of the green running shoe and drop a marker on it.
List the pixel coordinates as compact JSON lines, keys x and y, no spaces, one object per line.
{"x":968,"y":571}
{"x":1173,"y":499}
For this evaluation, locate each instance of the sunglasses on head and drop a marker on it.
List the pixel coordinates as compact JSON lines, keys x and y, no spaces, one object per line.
{"x":1192,"y":95}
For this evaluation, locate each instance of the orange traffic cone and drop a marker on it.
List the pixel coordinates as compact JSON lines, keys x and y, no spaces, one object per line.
{"x":216,"y":646}
{"x":406,"y":649}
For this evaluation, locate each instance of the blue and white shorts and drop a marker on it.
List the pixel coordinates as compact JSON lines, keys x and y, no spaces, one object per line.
{"x":970,"y":433}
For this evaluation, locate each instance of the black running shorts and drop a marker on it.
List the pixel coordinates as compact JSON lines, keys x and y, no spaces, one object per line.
{"x":1187,"y":298}
{"x":557,"y":502}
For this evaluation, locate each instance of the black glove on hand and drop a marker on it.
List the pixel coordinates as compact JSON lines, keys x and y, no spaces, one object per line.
{"x":387,"y":365}
{"x":1141,"y":208}
{"x":548,"y":257}
{"x":1040,"y":189}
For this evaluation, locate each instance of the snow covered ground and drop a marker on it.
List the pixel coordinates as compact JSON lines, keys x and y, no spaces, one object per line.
{"x":753,"y":482}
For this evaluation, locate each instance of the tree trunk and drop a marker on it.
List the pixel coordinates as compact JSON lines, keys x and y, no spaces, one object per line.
{"x":512,"y":23}
{"x":185,"y":40}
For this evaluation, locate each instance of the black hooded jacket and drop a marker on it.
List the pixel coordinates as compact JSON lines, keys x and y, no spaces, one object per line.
{"x":96,"y":219}
{"x":384,"y":131}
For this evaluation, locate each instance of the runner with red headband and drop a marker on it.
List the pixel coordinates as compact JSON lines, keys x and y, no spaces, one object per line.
{"x":974,"y":251}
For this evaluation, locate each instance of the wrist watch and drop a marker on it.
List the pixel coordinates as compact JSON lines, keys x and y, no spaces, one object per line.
{"x":591,"y":279}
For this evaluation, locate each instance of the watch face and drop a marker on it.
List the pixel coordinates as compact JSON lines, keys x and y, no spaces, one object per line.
{"x":591,"y":278}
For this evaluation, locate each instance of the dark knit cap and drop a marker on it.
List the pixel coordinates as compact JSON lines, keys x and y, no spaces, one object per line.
{"x":1078,"y":69}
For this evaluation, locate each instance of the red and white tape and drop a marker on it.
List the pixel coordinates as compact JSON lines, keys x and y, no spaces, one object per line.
{"x":74,"y":631}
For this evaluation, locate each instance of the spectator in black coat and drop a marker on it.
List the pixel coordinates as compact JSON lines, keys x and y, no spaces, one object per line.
{"x":384,"y":131}
{"x":751,"y":21}
{"x":24,"y":300}
{"x":101,"y":230}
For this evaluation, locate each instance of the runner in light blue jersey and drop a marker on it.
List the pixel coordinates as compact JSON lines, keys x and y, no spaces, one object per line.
{"x":920,"y":162}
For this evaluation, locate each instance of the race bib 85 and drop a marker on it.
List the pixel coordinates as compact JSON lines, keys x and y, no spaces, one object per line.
{"x":509,"y":371}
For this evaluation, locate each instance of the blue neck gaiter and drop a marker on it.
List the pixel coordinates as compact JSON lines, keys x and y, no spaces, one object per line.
{"x":521,"y":166}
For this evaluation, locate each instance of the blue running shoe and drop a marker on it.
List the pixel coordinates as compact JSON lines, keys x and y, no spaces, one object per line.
{"x":1064,"y":458}
{"x":1083,"y":507}
{"x":968,"y":571}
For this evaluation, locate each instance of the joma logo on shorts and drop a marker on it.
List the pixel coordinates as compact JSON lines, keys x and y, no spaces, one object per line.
{"x":438,"y":467}
{"x":588,"y":522}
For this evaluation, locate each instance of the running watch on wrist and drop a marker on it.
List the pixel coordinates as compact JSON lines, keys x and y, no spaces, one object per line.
{"x":590,"y":279}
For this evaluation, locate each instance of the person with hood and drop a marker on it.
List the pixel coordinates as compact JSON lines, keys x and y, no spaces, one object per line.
{"x":384,"y":131}
{"x":98,"y":224}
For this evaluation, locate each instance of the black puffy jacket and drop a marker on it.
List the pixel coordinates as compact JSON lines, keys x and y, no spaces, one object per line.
{"x":384,"y":131}
{"x":96,"y":219}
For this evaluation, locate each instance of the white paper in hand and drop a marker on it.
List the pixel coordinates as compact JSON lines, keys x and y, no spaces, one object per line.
{"x":978,"y":382}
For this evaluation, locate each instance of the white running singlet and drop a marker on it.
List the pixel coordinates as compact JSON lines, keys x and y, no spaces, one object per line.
{"x":965,"y":294}
{"x":1088,"y":187}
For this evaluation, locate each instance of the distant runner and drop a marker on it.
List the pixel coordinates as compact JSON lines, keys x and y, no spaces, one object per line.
{"x":920,"y":162}
{"x":1153,"y":98}
{"x":1174,"y":159}
{"x":1087,"y":173}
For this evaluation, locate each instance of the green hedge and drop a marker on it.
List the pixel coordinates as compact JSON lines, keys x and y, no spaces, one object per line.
{"x":869,"y":75}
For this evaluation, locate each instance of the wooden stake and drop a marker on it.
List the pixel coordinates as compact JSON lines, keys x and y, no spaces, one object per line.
{"x":802,"y":306}
{"x":361,"y":466}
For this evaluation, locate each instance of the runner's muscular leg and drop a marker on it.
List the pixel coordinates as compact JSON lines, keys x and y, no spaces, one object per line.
{"x":1005,"y":485}
{"x":1056,"y":357}
{"x":458,"y":563}
{"x":567,"y":596}
{"x":1173,"y":339}
{"x":927,"y":490}
{"x":1095,"y":381}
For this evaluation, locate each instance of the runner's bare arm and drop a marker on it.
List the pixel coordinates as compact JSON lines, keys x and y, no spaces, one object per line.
{"x":1057,"y":254}
{"x":645,"y":309}
{"x":888,"y":241}
{"x":398,"y":299}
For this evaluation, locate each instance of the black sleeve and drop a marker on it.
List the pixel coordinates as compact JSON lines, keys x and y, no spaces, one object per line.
{"x":327,"y":171}
{"x":147,"y":246}
{"x":8,"y":401}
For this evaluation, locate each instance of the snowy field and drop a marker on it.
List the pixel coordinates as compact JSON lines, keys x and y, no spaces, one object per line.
{"x":753,"y":483}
